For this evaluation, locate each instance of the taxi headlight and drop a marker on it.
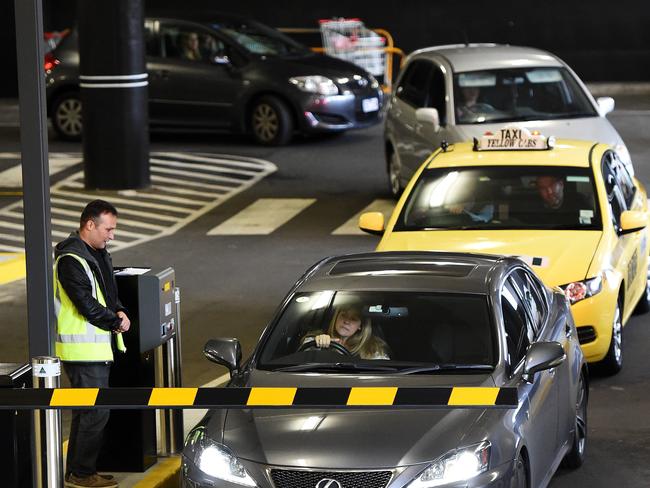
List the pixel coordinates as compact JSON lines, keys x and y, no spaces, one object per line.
{"x":215,"y":459}
{"x":315,"y":84}
{"x":579,"y":290}
{"x":457,"y":465}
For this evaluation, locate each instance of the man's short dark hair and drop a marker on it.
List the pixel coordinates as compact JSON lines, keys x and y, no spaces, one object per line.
{"x":94,"y":210}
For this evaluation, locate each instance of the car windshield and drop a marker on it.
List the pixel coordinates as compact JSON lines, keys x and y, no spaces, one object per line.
{"x":520,"y":94}
{"x":396,"y":332}
{"x":502,"y":197}
{"x":259,"y":39}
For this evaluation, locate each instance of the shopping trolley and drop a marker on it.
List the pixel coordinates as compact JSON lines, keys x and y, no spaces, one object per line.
{"x":351,"y":40}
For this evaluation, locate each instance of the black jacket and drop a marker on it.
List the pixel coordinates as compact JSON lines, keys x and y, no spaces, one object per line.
{"x":74,"y":280}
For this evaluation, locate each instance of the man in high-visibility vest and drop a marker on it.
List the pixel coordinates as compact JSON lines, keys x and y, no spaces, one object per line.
{"x":90,"y":323}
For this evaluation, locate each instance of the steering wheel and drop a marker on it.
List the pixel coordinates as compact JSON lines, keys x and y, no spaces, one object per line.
{"x":334,"y":346}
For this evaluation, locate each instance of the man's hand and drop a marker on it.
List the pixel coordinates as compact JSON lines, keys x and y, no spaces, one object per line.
{"x":126,"y":323}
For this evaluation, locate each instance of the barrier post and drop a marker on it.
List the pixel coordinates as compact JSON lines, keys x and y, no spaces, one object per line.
{"x":48,"y":472}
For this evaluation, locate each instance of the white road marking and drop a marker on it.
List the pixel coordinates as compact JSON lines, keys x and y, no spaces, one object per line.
{"x":139,"y":210}
{"x":351,"y":227}
{"x":13,"y":177}
{"x":262,"y":217}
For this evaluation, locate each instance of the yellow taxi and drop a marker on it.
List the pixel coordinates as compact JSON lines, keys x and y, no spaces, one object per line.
{"x":568,"y":208}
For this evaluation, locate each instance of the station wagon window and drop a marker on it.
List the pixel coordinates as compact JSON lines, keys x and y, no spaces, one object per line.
{"x":502,"y":197}
{"x":437,"y":94}
{"x":405,"y":330}
{"x":519,"y":333}
{"x":531,"y":294}
{"x":414,"y":87}
{"x":512,"y":94}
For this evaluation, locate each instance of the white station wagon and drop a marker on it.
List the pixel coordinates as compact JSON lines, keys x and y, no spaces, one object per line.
{"x":458,"y":92}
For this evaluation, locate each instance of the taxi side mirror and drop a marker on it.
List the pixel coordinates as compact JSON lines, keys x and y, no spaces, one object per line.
{"x":605,"y":105}
{"x":224,"y":351}
{"x":372,"y":223}
{"x":428,"y":116}
{"x":633,"y":221}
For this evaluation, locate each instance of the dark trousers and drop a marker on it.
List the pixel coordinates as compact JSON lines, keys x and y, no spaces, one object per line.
{"x":87,"y":427}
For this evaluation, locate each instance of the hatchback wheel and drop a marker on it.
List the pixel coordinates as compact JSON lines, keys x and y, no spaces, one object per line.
{"x":520,"y":475}
{"x":613,"y":361}
{"x":66,"y":116}
{"x":271,"y":122}
{"x":576,"y":456}
{"x":394,"y":175}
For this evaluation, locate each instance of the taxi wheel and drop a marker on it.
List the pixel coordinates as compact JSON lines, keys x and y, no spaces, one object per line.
{"x":576,"y":456}
{"x":644,"y":302}
{"x":66,"y":116}
{"x":271,"y":122}
{"x":613,"y":361}
{"x":394,"y":175}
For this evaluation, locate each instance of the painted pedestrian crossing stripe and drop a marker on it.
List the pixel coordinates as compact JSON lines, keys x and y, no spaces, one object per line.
{"x":267,"y":215}
{"x":184,"y":187}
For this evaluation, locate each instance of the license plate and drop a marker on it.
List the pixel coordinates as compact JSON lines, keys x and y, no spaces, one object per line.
{"x":370,"y":105}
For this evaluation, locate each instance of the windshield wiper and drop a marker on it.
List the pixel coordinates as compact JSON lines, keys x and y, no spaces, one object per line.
{"x":447,"y":367}
{"x":334,"y":367}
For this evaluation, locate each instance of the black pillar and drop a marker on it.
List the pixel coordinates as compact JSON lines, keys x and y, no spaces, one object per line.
{"x":113,"y":80}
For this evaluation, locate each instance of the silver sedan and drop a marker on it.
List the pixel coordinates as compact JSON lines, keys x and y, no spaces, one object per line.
{"x":407,"y":320}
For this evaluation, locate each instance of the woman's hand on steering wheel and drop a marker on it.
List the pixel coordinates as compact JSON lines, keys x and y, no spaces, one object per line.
{"x":324,"y":341}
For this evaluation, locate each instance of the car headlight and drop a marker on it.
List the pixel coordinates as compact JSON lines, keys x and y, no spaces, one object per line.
{"x":579,"y":290}
{"x":215,"y":459}
{"x":315,"y":84}
{"x":457,"y":465}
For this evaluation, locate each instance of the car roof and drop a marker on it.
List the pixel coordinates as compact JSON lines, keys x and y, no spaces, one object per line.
{"x":566,"y":152}
{"x":474,"y":57}
{"x":448,"y":272}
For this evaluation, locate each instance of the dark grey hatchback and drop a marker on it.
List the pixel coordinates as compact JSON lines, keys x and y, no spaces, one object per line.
{"x":405,"y":320}
{"x":232,"y":74}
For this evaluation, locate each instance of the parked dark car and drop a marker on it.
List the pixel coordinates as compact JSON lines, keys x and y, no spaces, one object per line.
{"x":404,"y":319}
{"x":230,"y":74}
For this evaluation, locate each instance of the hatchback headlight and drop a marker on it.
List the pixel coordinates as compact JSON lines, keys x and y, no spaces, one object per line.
{"x":315,"y":84}
{"x":457,"y":465}
{"x":215,"y":459}
{"x":579,"y":290}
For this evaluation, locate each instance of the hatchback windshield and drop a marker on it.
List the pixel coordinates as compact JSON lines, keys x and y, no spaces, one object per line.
{"x":406,"y":333}
{"x":505,"y":197}
{"x":259,"y":39}
{"x":518,"y":94}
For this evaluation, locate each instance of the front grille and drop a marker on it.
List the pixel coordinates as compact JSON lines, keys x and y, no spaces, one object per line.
{"x":586,"y":334}
{"x":332,"y":119}
{"x":348,"y":479}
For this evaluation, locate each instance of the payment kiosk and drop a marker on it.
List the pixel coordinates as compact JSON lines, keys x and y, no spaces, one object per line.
{"x":16,"y":430}
{"x":153,"y":347}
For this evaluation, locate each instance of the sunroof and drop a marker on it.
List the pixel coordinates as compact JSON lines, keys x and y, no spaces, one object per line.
{"x":388,"y":268}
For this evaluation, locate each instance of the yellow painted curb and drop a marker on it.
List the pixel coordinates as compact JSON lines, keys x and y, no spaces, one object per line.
{"x":12,"y":267}
{"x":164,"y":474}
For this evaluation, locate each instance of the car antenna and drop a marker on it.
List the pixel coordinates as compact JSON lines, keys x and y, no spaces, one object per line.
{"x":444,"y":145}
{"x":463,"y":33}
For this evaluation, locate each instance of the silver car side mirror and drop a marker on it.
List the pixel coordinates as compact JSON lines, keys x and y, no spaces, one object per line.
{"x":605,"y":105}
{"x":542,"y":356}
{"x":224,"y":351}
{"x":428,"y":116}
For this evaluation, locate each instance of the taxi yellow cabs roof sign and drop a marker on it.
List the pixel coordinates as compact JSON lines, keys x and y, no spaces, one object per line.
{"x":513,"y":138}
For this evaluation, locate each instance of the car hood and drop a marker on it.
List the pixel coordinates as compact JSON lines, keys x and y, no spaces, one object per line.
{"x":347,"y":439}
{"x":587,"y":128}
{"x":312,"y":64}
{"x":563,"y":255}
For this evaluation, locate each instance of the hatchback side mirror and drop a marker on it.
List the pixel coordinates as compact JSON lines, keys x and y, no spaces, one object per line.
{"x":542,"y":356}
{"x":372,"y":223}
{"x":428,"y":116}
{"x":633,"y":221}
{"x":605,"y":105}
{"x":224,"y":351}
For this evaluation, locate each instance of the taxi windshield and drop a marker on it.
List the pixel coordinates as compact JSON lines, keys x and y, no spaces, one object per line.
{"x":519,"y":94}
{"x":502,"y":197}
{"x":394,"y":332}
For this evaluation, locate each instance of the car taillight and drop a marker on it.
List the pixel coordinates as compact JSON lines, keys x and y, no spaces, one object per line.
{"x":50,"y":62}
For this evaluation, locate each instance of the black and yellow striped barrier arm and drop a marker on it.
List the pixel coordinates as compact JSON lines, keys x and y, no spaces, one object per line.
{"x":257,"y":397}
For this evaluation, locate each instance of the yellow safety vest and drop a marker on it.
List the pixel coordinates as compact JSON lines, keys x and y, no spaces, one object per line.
{"x":76,"y":338}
